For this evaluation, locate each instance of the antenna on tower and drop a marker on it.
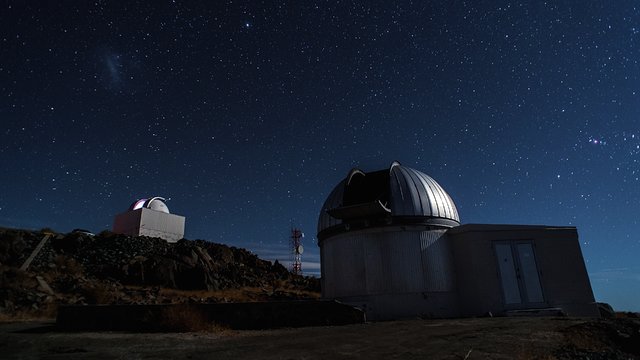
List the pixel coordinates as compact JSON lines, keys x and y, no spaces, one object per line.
{"x":296,"y":251}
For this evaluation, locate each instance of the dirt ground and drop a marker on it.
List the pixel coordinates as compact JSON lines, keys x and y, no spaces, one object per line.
{"x":481,"y":338}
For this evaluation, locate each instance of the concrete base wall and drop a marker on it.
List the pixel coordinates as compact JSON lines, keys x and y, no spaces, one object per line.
{"x":182,"y":317}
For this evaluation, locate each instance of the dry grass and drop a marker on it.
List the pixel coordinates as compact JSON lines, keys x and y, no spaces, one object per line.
{"x":245,"y":294}
{"x":188,"y":319}
{"x":99,"y":293}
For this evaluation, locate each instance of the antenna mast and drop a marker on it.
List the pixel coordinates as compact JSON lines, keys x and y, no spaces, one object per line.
{"x":296,"y":251}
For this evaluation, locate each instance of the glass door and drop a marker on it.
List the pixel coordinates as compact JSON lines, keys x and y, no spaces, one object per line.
{"x":518,"y":273}
{"x":508,"y":274}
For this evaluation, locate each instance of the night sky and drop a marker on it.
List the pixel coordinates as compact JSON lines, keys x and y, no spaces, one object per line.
{"x":246,"y":114}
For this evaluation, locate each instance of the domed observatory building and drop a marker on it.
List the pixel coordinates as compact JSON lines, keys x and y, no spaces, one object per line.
{"x":391,"y":244}
{"x":383,"y":246}
{"x":150,"y":217}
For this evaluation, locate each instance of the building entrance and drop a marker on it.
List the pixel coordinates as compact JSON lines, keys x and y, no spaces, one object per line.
{"x":519,"y":273}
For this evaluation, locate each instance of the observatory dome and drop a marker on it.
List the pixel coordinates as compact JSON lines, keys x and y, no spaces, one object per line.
{"x":396,"y":196}
{"x":155,"y":203}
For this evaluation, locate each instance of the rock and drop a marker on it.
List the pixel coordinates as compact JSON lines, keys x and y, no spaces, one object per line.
{"x":160,"y":271}
{"x":219,"y":253}
{"x":606,"y":311}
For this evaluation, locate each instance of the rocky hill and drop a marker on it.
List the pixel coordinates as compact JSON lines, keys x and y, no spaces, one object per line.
{"x":108,"y":268}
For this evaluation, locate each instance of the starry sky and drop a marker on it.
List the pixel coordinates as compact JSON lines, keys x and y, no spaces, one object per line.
{"x":246,"y":114}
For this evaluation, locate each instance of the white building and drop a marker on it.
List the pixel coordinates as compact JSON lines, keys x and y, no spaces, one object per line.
{"x":391,"y":243}
{"x":150,"y":217}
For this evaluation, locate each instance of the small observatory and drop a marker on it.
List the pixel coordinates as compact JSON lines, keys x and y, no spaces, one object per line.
{"x":150,"y":217}
{"x":391,"y":243}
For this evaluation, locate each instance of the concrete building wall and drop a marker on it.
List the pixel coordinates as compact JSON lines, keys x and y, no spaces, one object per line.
{"x":148,"y":222}
{"x":477,"y":276}
{"x":561,"y":270}
{"x":128,"y":223}
{"x":564,"y":275}
{"x":158,"y":224}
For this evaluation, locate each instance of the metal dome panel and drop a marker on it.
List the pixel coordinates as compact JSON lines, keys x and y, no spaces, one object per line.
{"x":334,"y":200}
{"x":155,"y":203}
{"x":414,"y":193}
{"x":412,"y":196}
{"x":138,"y":204}
{"x":158,"y":204}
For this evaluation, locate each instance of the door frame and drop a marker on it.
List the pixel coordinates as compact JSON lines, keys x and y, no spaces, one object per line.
{"x":524,"y":297}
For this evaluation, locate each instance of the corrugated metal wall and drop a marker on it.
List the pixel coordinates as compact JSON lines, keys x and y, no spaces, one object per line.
{"x":366,"y":263}
{"x":343,"y":270}
{"x":399,"y":264}
{"x":437,"y":261}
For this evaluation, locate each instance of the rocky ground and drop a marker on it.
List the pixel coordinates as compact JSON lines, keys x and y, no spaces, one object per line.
{"x":108,"y":268}
{"x":480,"y":338}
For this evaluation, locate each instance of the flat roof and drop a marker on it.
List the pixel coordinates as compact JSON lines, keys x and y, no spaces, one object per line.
{"x":505,"y":227}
